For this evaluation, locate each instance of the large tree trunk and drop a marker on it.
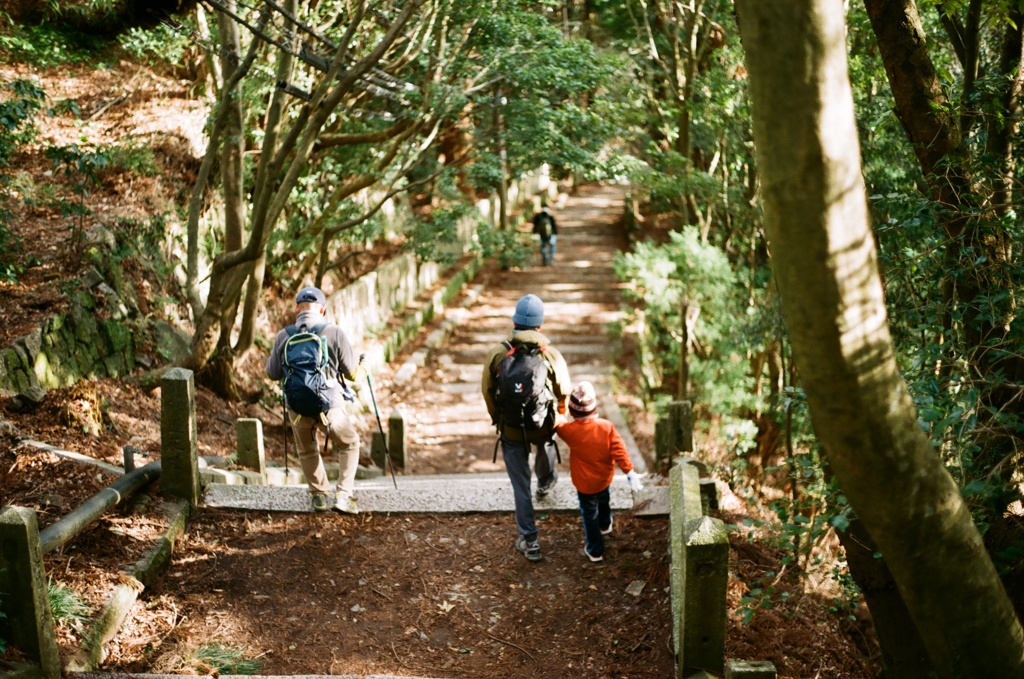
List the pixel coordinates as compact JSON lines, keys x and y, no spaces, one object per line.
{"x":903,"y":653}
{"x":826,"y":267}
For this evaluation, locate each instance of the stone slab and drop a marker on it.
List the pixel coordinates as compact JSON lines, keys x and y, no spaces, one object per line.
{"x":124,"y":675}
{"x":758,"y":669}
{"x":71,"y":455}
{"x":489,"y":492}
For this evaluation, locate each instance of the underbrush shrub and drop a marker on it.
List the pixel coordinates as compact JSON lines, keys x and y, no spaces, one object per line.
{"x":511,"y":248}
{"x":67,"y":607}
{"x":50,"y":44}
{"x":24,"y":99}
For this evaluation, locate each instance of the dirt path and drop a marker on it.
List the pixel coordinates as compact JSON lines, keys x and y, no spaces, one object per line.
{"x":449,"y":430}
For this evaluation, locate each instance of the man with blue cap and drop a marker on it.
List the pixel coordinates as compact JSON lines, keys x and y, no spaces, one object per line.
{"x":525,"y":381}
{"x":330,"y":413}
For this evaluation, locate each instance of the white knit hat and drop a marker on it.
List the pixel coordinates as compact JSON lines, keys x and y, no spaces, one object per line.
{"x":583,"y":400}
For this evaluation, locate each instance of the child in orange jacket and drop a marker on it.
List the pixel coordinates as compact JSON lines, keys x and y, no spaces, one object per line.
{"x":595,"y":447}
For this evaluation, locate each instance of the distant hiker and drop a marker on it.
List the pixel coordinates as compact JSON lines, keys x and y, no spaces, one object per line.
{"x":595,"y":447}
{"x":546,"y":228}
{"x":525,"y":381}
{"x":313,"y":358}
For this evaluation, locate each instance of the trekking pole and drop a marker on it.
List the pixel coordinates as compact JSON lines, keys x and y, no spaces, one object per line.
{"x":384,"y":439}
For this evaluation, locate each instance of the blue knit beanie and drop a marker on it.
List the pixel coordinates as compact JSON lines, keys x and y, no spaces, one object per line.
{"x":529,"y":312}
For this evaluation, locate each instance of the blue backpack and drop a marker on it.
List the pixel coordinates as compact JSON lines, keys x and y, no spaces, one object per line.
{"x":306,"y":361}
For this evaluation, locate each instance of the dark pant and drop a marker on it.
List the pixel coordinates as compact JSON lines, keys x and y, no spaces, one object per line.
{"x":597,"y":516}
{"x":517,"y":463}
{"x":547,"y":251}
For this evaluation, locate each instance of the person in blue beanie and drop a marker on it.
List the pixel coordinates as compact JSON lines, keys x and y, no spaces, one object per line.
{"x":525,"y":361}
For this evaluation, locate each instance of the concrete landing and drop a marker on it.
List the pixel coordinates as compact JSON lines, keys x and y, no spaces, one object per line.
{"x":125,"y":675}
{"x":434,"y":494}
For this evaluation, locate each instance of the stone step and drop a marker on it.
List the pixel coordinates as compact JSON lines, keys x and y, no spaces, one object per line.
{"x":124,"y":675}
{"x":488,"y":492}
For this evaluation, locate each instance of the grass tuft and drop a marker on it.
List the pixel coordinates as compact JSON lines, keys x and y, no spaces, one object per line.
{"x":225,"y":659}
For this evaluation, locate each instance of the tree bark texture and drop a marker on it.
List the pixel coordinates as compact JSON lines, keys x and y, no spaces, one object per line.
{"x":825,"y":263}
{"x":903,"y":653}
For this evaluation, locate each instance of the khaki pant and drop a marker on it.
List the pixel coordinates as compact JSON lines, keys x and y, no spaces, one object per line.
{"x":344,"y":441}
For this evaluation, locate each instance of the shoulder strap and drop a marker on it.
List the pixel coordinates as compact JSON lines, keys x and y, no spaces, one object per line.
{"x":316,"y":329}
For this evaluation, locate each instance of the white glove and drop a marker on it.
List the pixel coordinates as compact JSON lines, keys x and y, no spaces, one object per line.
{"x":634,"y":482}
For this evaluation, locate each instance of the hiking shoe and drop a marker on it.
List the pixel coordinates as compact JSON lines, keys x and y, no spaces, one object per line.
{"x":592,"y":557}
{"x":542,"y":491}
{"x":608,"y":530}
{"x":320,"y":503}
{"x":531,"y":550}
{"x":346,"y":504}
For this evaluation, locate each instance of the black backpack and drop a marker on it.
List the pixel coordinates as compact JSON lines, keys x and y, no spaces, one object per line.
{"x":522,"y":393}
{"x":306,"y":362}
{"x":544,"y":226}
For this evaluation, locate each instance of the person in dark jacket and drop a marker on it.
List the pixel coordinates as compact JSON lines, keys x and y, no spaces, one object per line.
{"x":546,"y":228}
{"x":515,"y":451}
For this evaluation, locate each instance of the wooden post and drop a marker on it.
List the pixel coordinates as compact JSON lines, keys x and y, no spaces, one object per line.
{"x":704,"y":609}
{"x":29,"y":623}
{"x":396,"y":437}
{"x":685,"y":506}
{"x":249,"y":444}
{"x":673,"y":433}
{"x":680,"y":415}
{"x":178,"y":445}
{"x":377,"y":446}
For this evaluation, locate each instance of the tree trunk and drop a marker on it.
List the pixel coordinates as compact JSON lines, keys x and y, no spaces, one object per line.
{"x":283,"y":159}
{"x":826,"y":266}
{"x":903,"y":653}
{"x":499,"y":140}
{"x":683,"y":388}
{"x":934,"y":130}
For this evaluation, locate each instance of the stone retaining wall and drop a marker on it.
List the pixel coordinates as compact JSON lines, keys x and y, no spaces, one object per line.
{"x":69,"y":347}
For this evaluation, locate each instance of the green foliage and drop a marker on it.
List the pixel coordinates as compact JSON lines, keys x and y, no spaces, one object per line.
{"x":67,"y":606}
{"x":224,"y":659}
{"x":66,"y":107}
{"x":16,"y":129}
{"x":686,"y":275}
{"x":161,"y":44}
{"x":432,"y":239}
{"x":49,"y":45}
{"x":132,"y":157}
{"x":485,"y":173}
{"x":761,"y":597}
{"x":512,"y":248}
{"x":849,"y":597}
{"x":541,"y":79}
{"x":82,"y":166}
